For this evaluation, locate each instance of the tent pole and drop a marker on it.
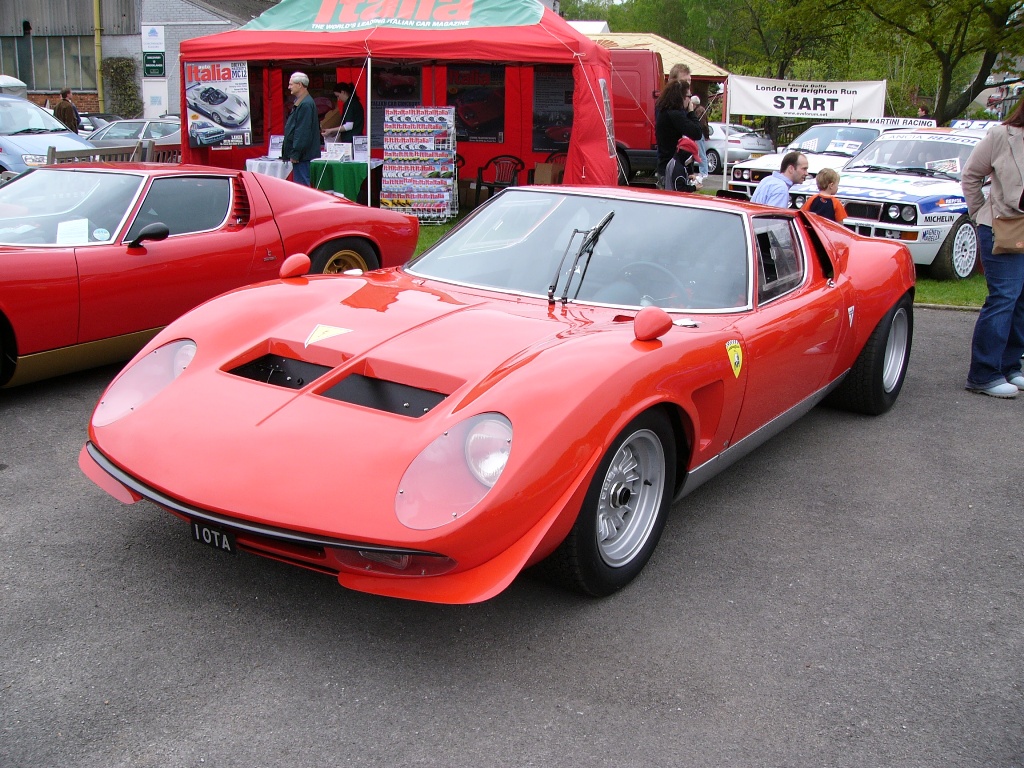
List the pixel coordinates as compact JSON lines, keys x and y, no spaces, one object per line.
{"x":369,"y":133}
{"x":725,"y":160}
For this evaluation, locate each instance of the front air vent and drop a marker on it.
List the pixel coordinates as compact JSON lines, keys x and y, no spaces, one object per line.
{"x":281,"y":371}
{"x":859,"y":210}
{"x":384,"y":395}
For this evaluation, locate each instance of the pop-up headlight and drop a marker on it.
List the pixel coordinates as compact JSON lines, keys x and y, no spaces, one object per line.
{"x":143,"y":380}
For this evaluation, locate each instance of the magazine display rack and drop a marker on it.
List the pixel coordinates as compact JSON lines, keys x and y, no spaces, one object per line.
{"x":419,"y":174}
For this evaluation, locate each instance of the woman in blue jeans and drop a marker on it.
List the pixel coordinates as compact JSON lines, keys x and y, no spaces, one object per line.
{"x":998,"y":341}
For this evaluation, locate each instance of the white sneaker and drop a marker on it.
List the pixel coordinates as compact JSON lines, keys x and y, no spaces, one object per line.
{"x":1018,"y":380}
{"x":1003,"y":389}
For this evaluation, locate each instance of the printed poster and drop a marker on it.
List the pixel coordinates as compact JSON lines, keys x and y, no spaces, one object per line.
{"x":217,"y":102}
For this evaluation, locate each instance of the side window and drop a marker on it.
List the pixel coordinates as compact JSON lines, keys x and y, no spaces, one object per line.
{"x":159,"y":130}
{"x":124,"y":131}
{"x":780,"y":262}
{"x":185,"y":204}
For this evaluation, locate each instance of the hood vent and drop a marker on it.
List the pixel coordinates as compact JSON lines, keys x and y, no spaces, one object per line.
{"x":384,"y":395}
{"x":281,"y":371}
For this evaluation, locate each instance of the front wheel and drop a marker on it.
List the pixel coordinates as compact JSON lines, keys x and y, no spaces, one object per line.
{"x":624,"y":512}
{"x":342,"y":255}
{"x":873,"y":384}
{"x":958,"y":255}
{"x":714,"y":162}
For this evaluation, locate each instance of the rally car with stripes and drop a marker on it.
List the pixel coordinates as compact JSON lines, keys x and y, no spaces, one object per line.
{"x":905,"y":186}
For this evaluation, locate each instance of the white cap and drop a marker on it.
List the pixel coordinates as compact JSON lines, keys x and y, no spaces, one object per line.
{"x":695,"y":101}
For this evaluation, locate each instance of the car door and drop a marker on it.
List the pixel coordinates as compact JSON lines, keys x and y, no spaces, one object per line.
{"x":209,"y":251}
{"x":790,"y":342}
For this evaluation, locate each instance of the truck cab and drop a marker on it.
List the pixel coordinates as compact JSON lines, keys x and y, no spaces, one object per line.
{"x":637,"y":79}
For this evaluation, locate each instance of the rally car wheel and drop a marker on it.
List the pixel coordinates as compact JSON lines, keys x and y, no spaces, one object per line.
{"x":958,"y":255}
{"x":624,"y":511}
{"x":875,"y":381}
{"x":342,"y":255}
{"x":714,"y":162}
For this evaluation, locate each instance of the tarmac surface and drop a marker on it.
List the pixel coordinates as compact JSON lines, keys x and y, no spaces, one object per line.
{"x":850,"y":594}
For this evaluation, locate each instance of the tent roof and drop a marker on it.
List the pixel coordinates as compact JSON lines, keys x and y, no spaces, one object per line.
{"x":671,"y":53}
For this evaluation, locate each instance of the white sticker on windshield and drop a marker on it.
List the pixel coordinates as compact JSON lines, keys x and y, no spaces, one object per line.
{"x":100,"y":234}
{"x":846,"y":147}
{"x":949,"y":165}
{"x":74,"y":232}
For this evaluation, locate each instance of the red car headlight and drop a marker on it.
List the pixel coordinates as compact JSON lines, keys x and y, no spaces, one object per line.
{"x":454,"y":472}
{"x":143,"y":380}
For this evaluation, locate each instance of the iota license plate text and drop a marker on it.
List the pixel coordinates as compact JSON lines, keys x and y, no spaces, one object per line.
{"x":213,"y":537}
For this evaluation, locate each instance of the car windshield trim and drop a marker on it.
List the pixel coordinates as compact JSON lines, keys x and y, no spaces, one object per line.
{"x":645,"y":255}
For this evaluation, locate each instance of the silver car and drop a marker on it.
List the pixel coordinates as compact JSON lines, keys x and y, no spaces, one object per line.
{"x":736,"y":143}
{"x":121,"y":133}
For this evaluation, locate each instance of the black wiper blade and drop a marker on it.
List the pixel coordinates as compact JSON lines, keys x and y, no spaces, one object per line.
{"x":29,"y":130}
{"x":587,"y":247}
{"x":589,"y":241}
{"x":870,"y":168}
{"x":928,"y":172}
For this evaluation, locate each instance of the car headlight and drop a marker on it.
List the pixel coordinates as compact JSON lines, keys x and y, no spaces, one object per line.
{"x":908,"y":214}
{"x":893,"y":211}
{"x":746,"y":174}
{"x":799,"y":200}
{"x":33,"y":160}
{"x":454,"y":472}
{"x":143,"y":380}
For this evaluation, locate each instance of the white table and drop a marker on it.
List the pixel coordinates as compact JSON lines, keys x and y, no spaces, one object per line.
{"x":279,"y":168}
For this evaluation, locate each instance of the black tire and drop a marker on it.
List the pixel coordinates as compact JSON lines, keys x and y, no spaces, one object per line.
{"x":623,"y":514}
{"x":342,"y":255}
{"x":873,"y":384}
{"x":625,"y":173}
{"x":714,"y":162}
{"x":958,"y":257}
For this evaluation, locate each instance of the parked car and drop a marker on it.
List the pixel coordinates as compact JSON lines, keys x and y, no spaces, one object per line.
{"x":205,"y":133}
{"x":736,"y":143}
{"x":223,"y":108}
{"x":28,"y":131}
{"x":91,"y":121}
{"x":122,"y":133}
{"x":538,"y":387}
{"x":826,"y":145}
{"x":905,"y":186}
{"x":97,"y":257}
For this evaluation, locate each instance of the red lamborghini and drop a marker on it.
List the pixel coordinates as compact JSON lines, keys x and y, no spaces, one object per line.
{"x":95,"y":259}
{"x":537,"y":388}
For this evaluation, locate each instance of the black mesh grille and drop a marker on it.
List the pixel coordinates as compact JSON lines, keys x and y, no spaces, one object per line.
{"x":858,"y":210}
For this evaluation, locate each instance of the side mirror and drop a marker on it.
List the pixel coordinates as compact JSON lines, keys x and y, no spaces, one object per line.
{"x":154,"y":231}
{"x":295,"y":265}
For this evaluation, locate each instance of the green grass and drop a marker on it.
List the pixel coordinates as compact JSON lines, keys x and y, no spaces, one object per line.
{"x":960,"y":293}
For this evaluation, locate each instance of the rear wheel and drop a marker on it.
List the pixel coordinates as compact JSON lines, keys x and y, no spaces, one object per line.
{"x":875,"y":381}
{"x":958,"y":255}
{"x":624,"y":512}
{"x":342,"y":255}
{"x":714,"y":162}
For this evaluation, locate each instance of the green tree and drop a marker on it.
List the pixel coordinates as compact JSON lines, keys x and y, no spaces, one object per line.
{"x":965,"y":39}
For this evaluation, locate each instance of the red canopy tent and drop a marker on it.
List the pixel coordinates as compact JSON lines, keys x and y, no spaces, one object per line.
{"x":519,"y":34}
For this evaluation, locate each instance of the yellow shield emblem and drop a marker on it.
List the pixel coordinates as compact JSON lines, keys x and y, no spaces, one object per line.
{"x":735,"y":353}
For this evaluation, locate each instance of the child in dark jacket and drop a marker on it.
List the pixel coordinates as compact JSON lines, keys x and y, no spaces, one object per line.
{"x":825,"y":203}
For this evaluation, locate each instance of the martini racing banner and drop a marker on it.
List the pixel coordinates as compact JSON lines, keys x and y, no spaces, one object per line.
{"x":794,"y":98}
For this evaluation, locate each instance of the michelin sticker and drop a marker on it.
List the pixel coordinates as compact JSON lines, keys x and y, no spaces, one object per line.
{"x":939,"y":218}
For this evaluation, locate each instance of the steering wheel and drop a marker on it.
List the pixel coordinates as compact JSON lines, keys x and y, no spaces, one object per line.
{"x":657,"y":276}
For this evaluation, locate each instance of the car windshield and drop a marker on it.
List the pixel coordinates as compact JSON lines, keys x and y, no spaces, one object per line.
{"x":842,"y":140}
{"x":65,"y":207}
{"x":18,"y":116}
{"x":939,"y":155}
{"x":575,"y":247}
{"x":213,"y":96}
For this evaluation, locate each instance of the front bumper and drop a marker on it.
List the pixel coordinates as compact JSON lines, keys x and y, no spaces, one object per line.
{"x":922,"y":241}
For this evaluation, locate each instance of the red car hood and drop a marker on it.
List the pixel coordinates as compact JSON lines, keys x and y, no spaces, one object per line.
{"x":339,"y":464}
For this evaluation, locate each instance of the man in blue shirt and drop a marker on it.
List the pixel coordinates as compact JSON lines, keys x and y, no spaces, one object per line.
{"x":774,"y":189}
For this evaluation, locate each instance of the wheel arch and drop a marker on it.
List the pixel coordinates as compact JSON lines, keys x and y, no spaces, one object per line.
{"x":336,"y":236}
{"x":8,"y":350}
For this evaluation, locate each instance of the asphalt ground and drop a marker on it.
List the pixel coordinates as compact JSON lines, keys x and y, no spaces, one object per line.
{"x":848,"y":595}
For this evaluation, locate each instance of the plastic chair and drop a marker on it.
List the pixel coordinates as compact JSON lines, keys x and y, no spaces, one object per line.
{"x":504,"y":170}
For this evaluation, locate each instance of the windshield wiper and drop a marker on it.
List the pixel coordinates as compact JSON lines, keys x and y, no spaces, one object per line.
{"x":927,"y":172}
{"x":590,"y":237}
{"x":870,"y":168}
{"x":29,"y":130}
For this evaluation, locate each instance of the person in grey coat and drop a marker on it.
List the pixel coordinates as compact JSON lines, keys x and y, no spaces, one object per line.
{"x":301,"y":130}
{"x":998,"y":341}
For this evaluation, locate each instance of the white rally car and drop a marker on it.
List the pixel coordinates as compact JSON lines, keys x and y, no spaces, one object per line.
{"x":826,"y":145}
{"x":906,"y":186}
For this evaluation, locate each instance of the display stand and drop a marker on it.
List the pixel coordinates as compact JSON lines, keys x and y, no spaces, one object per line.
{"x":419,"y":174}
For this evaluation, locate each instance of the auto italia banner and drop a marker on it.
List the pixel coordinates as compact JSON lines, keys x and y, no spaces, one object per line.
{"x":217,"y":98}
{"x":795,"y":98}
{"x":345,"y":15}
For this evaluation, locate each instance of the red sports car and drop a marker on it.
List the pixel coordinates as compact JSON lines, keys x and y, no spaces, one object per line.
{"x":94,"y":259}
{"x":536,"y":388}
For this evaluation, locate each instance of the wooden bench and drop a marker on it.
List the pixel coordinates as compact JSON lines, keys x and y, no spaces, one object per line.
{"x":145,"y":151}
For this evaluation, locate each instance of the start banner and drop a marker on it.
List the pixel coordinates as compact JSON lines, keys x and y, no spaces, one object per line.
{"x":794,"y":98}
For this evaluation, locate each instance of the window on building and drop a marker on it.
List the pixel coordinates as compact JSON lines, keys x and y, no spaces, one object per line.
{"x":50,"y":63}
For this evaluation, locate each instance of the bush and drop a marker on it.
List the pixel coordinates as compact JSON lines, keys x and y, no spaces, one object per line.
{"x":121,"y":86}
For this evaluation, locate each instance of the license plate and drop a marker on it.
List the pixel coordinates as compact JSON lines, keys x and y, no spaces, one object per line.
{"x":755,"y":155}
{"x":213,"y":537}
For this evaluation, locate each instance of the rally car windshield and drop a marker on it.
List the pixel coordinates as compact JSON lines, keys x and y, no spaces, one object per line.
{"x":548,"y":243}
{"x":842,"y":140}
{"x":937,"y":155}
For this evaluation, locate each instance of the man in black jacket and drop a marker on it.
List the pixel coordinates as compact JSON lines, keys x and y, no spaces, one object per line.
{"x":301,"y":130}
